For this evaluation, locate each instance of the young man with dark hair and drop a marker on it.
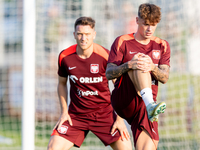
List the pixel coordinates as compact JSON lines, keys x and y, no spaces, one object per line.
{"x":90,"y":108}
{"x":139,"y":61}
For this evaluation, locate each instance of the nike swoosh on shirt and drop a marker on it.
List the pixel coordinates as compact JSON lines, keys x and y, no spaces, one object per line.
{"x":70,"y":68}
{"x":132,"y":52}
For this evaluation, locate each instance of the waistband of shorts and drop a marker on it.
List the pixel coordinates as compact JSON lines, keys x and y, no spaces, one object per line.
{"x":103,"y":109}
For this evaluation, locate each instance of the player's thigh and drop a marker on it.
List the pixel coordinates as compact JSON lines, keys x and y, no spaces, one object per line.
{"x":133,"y":79}
{"x":145,"y":142}
{"x":121,"y":145}
{"x":59,"y":143}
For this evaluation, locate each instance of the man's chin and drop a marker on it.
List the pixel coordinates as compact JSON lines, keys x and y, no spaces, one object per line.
{"x":83,"y":47}
{"x":148,"y":36}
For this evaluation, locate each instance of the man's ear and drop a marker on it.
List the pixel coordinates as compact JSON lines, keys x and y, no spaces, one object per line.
{"x":137,"y":19}
{"x":74,"y":34}
{"x":94,"y":35}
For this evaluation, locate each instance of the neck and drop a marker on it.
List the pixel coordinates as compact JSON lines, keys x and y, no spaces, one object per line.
{"x":140,"y":39}
{"x":84,"y":53}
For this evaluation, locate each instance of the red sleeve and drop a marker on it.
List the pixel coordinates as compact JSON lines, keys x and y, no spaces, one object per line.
{"x":62,"y":66}
{"x":165,"y":57}
{"x":116,"y":54}
{"x":61,"y":69}
{"x":118,"y":48}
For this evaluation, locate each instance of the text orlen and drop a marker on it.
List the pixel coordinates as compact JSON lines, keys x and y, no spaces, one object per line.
{"x":91,"y":79}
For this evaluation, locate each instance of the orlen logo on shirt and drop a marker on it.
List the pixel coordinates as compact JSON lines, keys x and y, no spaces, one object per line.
{"x":91,"y":79}
{"x":86,"y":79}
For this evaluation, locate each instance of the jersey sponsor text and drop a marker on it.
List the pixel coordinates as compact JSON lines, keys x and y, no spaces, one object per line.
{"x":87,"y":79}
{"x":86,"y":93}
{"x":91,"y":79}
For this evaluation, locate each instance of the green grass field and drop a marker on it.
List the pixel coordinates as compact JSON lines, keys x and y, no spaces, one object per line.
{"x":178,"y":126}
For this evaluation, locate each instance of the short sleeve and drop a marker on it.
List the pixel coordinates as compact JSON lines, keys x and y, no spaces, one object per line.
{"x":165,"y":57}
{"x":116,"y":54}
{"x":61,"y":67}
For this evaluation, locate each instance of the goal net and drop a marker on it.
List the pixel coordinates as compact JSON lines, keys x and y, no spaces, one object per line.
{"x":179,"y":126}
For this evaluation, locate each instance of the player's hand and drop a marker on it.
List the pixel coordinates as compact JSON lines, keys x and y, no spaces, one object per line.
{"x":147,"y":64}
{"x":144,"y":63}
{"x":135,"y":61}
{"x":120,"y":125}
{"x":63,"y":117}
{"x":140,"y":61}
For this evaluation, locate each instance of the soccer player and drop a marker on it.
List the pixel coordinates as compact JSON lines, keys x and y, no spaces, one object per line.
{"x":90,"y":108}
{"x":138,"y":61}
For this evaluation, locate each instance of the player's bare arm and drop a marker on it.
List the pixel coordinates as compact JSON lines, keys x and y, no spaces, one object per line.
{"x":161,"y":73}
{"x":62,"y":94}
{"x":114,"y":71}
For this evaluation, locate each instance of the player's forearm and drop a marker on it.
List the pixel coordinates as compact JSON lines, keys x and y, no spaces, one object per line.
{"x":161,"y":73}
{"x":62,"y":94}
{"x":113,"y":71}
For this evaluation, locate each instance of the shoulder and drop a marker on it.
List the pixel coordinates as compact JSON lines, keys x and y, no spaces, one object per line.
{"x":158,"y":40}
{"x":100,"y":50}
{"x":67,"y":52}
{"x":125,"y":37}
{"x":161,"y":42}
{"x":121,"y":39}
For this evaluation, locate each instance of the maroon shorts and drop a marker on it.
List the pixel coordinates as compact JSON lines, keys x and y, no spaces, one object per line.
{"x":100,"y":123}
{"x":131,"y":107}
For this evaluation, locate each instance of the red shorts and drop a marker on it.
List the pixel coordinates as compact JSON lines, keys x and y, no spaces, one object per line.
{"x":131,"y":107}
{"x":100,"y":123}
